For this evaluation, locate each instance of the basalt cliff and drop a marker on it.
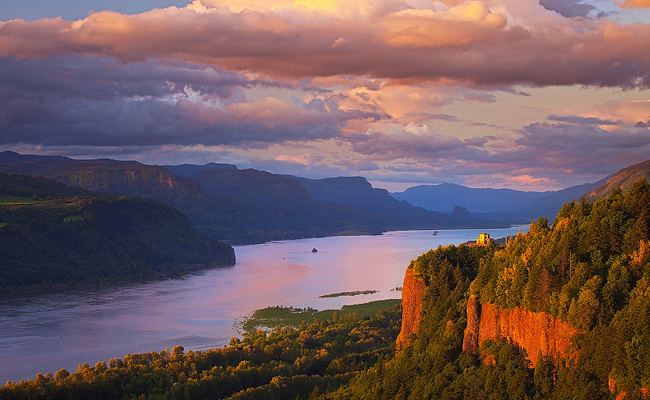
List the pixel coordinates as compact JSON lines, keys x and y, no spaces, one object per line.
{"x":412,"y":292}
{"x":537,"y":332}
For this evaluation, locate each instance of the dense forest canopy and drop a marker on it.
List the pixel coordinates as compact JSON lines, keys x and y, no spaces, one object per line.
{"x":51,"y":234}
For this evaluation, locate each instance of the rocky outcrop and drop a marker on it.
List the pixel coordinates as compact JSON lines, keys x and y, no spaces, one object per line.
{"x":470,"y":341}
{"x":412,"y":292}
{"x":536,"y":332}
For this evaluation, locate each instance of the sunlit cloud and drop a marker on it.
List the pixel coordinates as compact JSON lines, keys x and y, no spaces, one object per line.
{"x":405,"y":142}
{"x":413,"y":103}
{"x":629,"y":111}
{"x":527,"y":180}
{"x":487,"y":43}
{"x":304,"y":159}
{"x":613,"y":115}
{"x":634,"y":3}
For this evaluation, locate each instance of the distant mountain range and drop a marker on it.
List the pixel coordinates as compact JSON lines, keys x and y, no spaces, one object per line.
{"x":507,"y":204}
{"x":251,"y":206}
{"x":445,"y":196}
{"x":247,"y":206}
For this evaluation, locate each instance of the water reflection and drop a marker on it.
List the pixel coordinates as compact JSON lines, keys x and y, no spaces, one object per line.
{"x":48,"y":332}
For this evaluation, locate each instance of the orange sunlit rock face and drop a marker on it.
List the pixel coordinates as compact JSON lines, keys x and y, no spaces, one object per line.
{"x":536,"y":332}
{"x":470,"y":341}
{"x":412,"y":292}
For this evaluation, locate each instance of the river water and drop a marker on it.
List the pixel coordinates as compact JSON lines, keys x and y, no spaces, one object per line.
{"x":62,"y":330}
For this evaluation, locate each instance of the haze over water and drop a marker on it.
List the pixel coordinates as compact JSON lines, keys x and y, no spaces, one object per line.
{"x":62,"y":330}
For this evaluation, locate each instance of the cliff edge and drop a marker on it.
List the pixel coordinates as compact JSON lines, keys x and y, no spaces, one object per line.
{"x":537,"y":332}
{"x":471,"y":339}
{"x":412,"y":292}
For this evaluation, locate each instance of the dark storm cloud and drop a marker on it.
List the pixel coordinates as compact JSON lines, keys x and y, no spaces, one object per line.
{"x":101,"y":78}
{"x":90,"y":101}
{"x":569,"y":8}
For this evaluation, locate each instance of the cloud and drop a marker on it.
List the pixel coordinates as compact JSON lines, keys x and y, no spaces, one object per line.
{"x":333,"y":87}
{"x":415,"y":103}
{"x":69,"y":100}
{"x":411,"y":141}
{"x":569,"y":8}
{"x":527,"y":180}
{"x":462,"y":25}
{"x":478,"y":141}
{"x":628,"y":111}
{"x":485,"y":43}
{"x":304,"y":159}
{"x":340,"y":8}
{"x":539,"y":155}
{"x":582,"y":148}
{"x":582,"y":120}
{"x":634,"y":4}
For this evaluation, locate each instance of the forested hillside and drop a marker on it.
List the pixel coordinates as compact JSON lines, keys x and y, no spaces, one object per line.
{"x":623,"y":179}
{"x":591,"y":268}
{"x":51,"y":234}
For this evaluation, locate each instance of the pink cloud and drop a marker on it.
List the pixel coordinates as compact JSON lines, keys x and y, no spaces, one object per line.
{"x":527,"y":180}
{"x":304,"y":159}
{"x":502,"y":45}
{"x":630,"y":112}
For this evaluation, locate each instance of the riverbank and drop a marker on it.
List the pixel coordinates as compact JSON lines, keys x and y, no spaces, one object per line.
{"x":272,"y":317}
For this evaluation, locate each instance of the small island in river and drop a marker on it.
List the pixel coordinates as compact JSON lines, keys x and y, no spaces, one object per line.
{"x":355,"y":293}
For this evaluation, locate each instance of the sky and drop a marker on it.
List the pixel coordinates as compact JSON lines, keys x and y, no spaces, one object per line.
{"x":525,"y":94}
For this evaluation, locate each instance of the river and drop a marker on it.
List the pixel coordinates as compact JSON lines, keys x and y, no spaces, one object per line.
{"x":45,"y":333}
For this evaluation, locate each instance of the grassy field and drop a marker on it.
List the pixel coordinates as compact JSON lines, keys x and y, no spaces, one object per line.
{"x":270,"y":317}
{"x":9,"y":199}
{"x":64,"y":207}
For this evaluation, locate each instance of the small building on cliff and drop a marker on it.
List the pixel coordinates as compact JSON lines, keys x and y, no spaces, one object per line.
{"x":484,"y":239}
